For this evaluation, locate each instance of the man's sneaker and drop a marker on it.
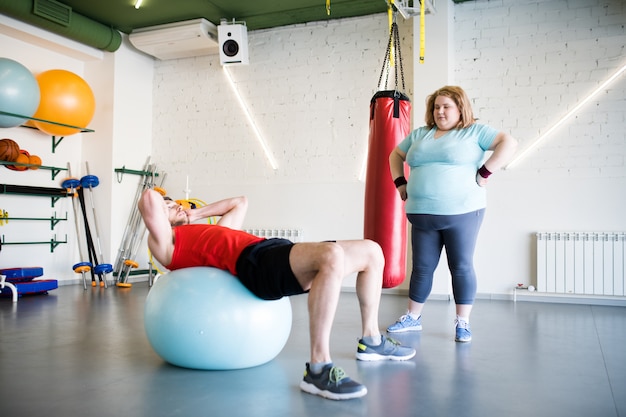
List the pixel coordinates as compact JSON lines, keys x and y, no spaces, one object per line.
{"x":406,"y":324}
{"x":389,"y":349}
{"x":463,"y":332}
{"x":331,"y":383}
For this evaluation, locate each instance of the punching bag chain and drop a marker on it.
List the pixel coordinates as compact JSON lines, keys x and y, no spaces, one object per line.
{"x":398,"y":56}
{"x":394,"y":41}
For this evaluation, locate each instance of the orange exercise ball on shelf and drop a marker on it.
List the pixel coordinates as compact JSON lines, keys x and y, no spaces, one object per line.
{"x":65,"y":98}
{"x":34,"y":160}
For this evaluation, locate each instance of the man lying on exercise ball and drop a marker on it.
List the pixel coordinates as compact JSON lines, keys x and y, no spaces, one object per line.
{"x":275,"y":268}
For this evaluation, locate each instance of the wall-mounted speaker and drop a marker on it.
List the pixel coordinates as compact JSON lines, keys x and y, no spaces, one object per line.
{"x":233,"y":43}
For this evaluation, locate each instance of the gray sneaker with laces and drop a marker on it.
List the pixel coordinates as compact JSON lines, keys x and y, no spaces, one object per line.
{"x":331,"y":383}
{"x":389,"y":349}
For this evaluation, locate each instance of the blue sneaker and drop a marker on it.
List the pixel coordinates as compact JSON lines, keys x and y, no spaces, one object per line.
{"x":331,"y":383}
{"x":406,"y":324}
{"x":389,"y":349}
{"x":463,"y":332}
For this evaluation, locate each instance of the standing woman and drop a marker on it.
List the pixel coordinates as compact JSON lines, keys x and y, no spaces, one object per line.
{"x":445,"y":199}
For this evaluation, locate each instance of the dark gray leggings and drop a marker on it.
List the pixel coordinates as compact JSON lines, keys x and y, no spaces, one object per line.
{"x":458,"y":233}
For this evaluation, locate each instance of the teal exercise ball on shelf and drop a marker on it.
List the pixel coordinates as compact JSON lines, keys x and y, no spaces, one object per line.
{"x":19,"y":92}
{"x":204,"y":318}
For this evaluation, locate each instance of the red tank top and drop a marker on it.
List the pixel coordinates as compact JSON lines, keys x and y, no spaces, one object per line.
{"x":209,"y":245}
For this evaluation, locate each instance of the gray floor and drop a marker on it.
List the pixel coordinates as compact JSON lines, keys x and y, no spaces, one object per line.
{"x":84,"y":353}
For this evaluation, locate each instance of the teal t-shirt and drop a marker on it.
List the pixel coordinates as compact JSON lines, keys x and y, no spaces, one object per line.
{"x":442,"y":179}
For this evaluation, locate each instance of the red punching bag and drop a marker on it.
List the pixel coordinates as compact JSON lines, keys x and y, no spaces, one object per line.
{"x":385,"y":219}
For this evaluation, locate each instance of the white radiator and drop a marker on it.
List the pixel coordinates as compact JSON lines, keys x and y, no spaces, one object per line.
{"x":591,"y":263}
{"x":295,"y":235}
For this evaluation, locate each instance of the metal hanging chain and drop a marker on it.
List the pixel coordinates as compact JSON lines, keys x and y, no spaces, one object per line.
{"x":398,"y":55}
{"x":394,"y":39}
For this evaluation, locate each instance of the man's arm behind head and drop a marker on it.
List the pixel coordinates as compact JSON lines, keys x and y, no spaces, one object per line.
{"x":232,"y":212}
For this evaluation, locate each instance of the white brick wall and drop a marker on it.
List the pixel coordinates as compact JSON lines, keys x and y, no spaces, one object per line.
{"x":308,"y":87}
{"x":526,"y":64}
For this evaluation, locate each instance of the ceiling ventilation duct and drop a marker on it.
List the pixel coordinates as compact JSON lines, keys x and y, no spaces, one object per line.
{"x":177,"y":40}
{"x":61,"y":19}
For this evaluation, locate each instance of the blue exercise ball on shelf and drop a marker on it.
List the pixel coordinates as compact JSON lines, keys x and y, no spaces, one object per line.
{"x":19,"y":92}
{"x":204,"y":318}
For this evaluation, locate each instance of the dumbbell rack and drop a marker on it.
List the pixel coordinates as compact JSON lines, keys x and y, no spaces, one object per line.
{"x":53,"y":193}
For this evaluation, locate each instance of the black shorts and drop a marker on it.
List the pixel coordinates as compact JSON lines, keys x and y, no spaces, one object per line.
{"x":264,"y":269}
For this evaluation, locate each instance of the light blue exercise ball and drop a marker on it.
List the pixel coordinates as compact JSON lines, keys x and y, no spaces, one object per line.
{"x":204,"y":318}
{"x":19,"y":92}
